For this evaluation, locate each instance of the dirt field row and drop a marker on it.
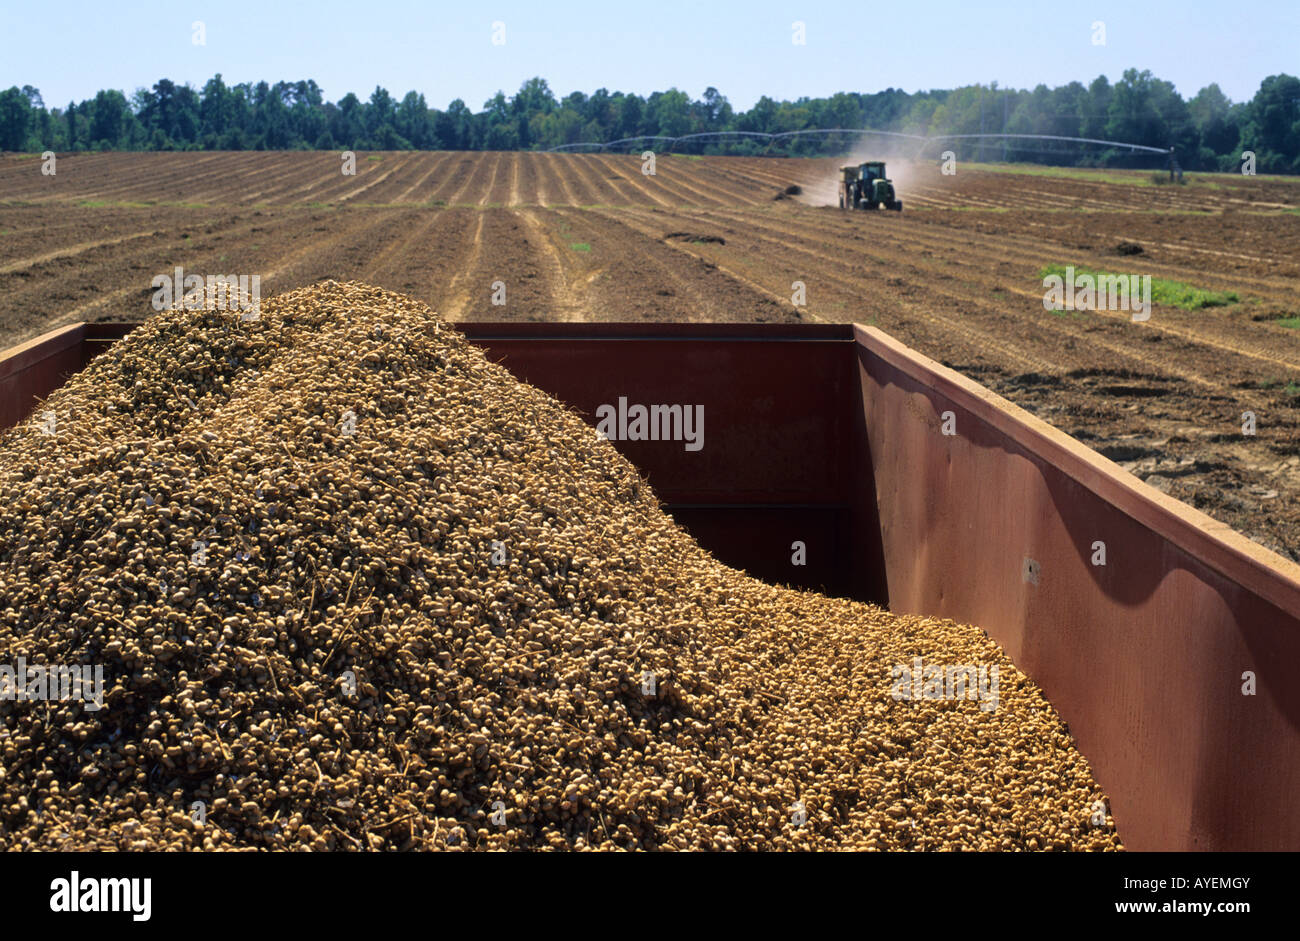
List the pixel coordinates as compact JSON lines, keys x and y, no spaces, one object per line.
{"x":391,"y":179}
{"x":957,"y":275}
{"x":607,"y":180}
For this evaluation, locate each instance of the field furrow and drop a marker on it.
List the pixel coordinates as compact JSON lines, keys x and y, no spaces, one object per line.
{"x":957,"y":275}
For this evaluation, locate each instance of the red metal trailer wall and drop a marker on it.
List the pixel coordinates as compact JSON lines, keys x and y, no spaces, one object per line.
{"x":33,"y":370}
{"x":778,"y":463}
{"x":1144,"y":657}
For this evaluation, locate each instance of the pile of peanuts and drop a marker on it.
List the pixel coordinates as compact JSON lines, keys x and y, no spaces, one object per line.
{"x":354,"y":587}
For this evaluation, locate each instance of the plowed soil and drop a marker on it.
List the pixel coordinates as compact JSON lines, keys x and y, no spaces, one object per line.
{"x":957,"y":275}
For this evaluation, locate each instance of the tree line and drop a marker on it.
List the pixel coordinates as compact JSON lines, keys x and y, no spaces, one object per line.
{"x":1208,"y":132}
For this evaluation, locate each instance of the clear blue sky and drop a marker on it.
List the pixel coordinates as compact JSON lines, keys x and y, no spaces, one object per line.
{"x":71,"y":48}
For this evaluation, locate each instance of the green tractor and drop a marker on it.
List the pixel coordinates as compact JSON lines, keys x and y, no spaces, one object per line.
{"x":866,"y":187}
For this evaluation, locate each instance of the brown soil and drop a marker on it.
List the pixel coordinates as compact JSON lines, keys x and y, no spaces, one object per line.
{"x":589,"y":237}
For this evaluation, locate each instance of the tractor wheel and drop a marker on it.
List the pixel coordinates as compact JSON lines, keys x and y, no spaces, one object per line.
{"x":897,"y":205}
{"x":841,"y":200}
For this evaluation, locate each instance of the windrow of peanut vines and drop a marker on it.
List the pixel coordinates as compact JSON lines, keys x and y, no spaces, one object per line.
{"x":354,"y":587}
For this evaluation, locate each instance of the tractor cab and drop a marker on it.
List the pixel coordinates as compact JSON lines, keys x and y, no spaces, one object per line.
{"x":871,"y":171}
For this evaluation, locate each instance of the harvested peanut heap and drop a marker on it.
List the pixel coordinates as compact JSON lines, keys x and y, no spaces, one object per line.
{"x":355,"y":587}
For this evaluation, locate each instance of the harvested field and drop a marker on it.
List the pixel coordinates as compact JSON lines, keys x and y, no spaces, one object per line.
{"x":957,"y":275}
{"x":355,"y":587}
